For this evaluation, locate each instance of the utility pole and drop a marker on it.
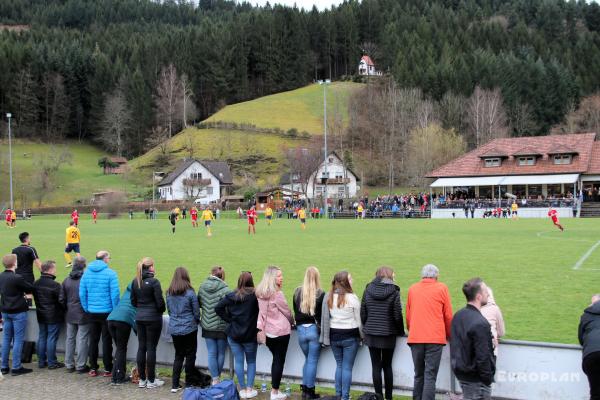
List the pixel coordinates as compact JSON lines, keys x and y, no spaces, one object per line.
{"x":325,"y":172}
{"x":12,"y":205}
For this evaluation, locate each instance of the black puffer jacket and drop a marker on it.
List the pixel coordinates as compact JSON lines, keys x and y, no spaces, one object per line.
{"x":241,"y":315}
{"x":46,"y":293}
{"x":69,"y":298}
{"x":589,"y":329}
{"x":148,"y":299}
{"x":471,"y":348}
{"x":381,"y":309}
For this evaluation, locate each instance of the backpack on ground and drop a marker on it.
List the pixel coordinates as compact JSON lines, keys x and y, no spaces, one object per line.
{"x":27,"y":352}
{"x":370,"y":396}
{"x":198,"y":379}
{"x":225,"y":390}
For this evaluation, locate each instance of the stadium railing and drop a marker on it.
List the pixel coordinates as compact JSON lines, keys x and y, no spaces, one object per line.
{"x":525,"y":370}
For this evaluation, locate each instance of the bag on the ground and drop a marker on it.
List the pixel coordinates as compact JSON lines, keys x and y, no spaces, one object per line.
{"x":28,"y":351}
{"x":370,"y":396}
{"x":198,"y":379}
{"x":226,"y":390}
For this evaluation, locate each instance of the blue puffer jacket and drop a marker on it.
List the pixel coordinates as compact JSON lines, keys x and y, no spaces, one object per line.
{"x":184,"y":313}
{"x":99,"y":288}
{"x":124,"y":311}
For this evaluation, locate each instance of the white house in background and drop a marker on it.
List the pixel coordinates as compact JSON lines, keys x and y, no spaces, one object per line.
{"x":196,"y":179}
{"x":366,"y":66}
{"x":341,"y":182}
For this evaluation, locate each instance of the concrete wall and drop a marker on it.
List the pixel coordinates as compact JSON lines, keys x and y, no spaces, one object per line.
{"x":563,"y":212}
{"x":525,"y":370}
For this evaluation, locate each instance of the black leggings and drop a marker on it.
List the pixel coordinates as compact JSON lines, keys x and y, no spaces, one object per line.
{"x":148,"y":335}
{"x":278,"y":347}
{"x":98,"y":328}
{"x":120,"y":332}
{"x":185,"y":348}
{"x":381,"y":359}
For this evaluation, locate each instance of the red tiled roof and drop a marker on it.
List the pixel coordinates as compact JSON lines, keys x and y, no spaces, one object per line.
{"x":528,"y":151}
{"x":368,"y":60}
{"x":493,"y":152}
{"x":470,"y":164}
{"x":562,"y":149}
{"x":595,"y":159}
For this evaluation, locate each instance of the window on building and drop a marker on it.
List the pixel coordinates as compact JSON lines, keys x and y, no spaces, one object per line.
{"x":554,"y":190}
{"x":330,"y":160}
{"x":492,"y":162}
{"x":341,"y":189}
{"x":519,"y":191}
{"x":319,"y":190}
{"x":529,"y":160}
{"x":196,"y":175}
{"x":562,"y":159}
{"x":535,"y":191}
{"x":339,"y":175}
{"x":209,"y":190}
{"x":485,"y":192}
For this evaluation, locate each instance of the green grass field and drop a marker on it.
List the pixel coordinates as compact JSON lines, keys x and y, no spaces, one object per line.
{"x":301,"y":108}
{"x":528,"y":263}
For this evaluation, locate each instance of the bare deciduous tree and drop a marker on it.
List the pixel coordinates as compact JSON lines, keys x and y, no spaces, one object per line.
{"x":116,"y":121}
{"x":56,"y":112}
{"x":188,"y":109}
{"x":586,"y":118}
{"x":168,"y":99}
{"x":26,"y":102}
{"x":486,"y":116}
{"x":303,"y":163}
{"x":193,"y":187}
{"x":47,"y":166}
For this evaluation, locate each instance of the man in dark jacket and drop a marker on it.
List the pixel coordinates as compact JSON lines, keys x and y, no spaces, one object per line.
{"x":471,"y":348}
{"x":13,"y":306}
{"x":589,"y":338}
{"x":77,"y":324}
{"x":50,"y":315}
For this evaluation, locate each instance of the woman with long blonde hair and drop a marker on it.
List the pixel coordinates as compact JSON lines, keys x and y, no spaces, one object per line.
{"x":341,"y":328}
{"x":308,"y":303}
{"x":147,"y":298}
{"x":275,"y":322}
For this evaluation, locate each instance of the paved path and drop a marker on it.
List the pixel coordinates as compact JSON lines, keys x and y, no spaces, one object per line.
{"x":61,"y":385}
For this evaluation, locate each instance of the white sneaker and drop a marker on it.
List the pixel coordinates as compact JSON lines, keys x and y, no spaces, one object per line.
{"x":142,"y":384}
{"x":242,"y":394}
{"x":251,"y":393}
{"x":278,"y":396}
{"x":175,"y":390}
{"x":156,"y":384}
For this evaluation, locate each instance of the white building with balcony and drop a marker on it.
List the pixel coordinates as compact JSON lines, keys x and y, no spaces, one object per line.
{"x":206,"y":181}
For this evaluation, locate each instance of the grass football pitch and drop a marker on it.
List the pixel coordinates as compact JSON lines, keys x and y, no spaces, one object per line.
{"x":542,"y":278}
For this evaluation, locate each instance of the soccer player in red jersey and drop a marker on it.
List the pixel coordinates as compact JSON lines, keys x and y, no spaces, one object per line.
{"x":553,"y":214}
{"x":252,"y":217}
{"x":75,"y":217}
{"x":8,"y":217}
{"x":94,"y":215}
{"x":194,"y":214}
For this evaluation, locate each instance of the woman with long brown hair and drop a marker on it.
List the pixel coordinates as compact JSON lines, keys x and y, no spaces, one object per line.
{"x":184,"y":315}
{"x":147,"y":298}
{"x":240,"y":310}
{"x":308,"y":303}
{"x":342,"y":329}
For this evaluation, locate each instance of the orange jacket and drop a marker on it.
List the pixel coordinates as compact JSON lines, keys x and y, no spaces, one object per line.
{"x":428,"y":312}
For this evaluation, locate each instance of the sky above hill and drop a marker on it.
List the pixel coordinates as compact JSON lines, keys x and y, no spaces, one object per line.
{"x":306,"y":4}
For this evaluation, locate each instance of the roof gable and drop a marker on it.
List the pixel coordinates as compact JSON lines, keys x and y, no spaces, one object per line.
{"x":470,"y":163}
{"x":367,"y":60}
{"x":219,"y":169}
{"x":528,"y":151}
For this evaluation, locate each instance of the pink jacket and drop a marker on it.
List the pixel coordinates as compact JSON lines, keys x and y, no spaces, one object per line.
{"x":274,"y":316}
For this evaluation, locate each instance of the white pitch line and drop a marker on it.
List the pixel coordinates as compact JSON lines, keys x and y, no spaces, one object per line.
{"x":586,"y":255}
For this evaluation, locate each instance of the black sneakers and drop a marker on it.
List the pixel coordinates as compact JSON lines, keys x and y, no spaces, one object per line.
{"x":56,"y":366}
{"x":20,"y":371}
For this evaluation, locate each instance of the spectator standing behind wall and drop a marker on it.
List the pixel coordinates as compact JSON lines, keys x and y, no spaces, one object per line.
{"x":428,"y":318}
{"x":589,"y":338}
{"x":471,"y":347}
{"x":493,"y":314}
{"x":13,"y":289}
{"x":381,"y":315}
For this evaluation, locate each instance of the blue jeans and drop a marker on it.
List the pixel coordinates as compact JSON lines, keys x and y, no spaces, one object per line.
{"x":47,"y":344}
{"x":216,"y":355}
{"x":344,"y":352}
{"x":14,"y":331}
{"x":308,"y":339}
{"x":240,"y":350}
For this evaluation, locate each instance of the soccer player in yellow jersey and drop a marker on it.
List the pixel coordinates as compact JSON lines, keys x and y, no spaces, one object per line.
{"x":269,"y":215}
{"x":359,"y":211}
{"x":207,"y":217}
{"x":178,"y":212}
{"x":73,"y":238}
{"x":302,"y":217}
{"x":514,"y":208}
{"x":13,"y":218}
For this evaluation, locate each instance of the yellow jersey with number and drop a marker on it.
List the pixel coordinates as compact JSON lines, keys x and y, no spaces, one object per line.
{"x":301,"y":213}
{"x":207,"y":215}
{"x":514,"y":207}
{"x":268,"y":212}
{"x":73,"y":235}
